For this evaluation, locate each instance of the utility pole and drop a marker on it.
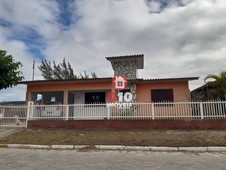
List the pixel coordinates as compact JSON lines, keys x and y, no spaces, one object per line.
{"x":33,"y":68}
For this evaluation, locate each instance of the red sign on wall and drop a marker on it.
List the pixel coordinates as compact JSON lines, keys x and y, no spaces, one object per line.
{"x":119,"y":82}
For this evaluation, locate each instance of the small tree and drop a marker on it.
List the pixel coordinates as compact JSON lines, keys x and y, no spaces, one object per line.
{"x":46,"y":69}
{"x":60,"y":71}
{"x":9,"y":71}
{"x":86,"y":76}
{"x":219,"y":83}
{"x":57,"y":71}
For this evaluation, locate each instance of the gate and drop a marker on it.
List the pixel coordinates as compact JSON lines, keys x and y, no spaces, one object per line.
{"x":15,"y":116}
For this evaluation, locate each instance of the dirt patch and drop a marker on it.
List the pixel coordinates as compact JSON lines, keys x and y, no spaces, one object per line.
{"x":119,"y":137}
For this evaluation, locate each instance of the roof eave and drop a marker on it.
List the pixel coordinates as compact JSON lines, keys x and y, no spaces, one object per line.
{"x":183,"y":79}
{"x":139,"y":58}
{"x":65,"y":81}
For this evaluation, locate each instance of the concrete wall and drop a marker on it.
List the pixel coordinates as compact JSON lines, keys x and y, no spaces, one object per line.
{"x":180,"y":90}
{"x":130,"y":124}
{"x":143,"y":90}
{"x":127,"y":68}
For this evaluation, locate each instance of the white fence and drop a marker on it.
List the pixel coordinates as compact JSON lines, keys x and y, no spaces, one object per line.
{"x":175,"y":110}
{"x":13,"y":115}
{"x":18,"y":115}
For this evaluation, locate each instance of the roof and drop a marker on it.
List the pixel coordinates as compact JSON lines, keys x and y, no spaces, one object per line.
{"x":138,"y":57}
{"x":106,"y":79}
{"x":13,"y":103}
{"x":178,"y":79}
{"x":66,"y":81}
{"x":207,"y":85}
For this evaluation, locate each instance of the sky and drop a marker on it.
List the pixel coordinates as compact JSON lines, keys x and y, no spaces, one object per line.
{"x":179,"y":38}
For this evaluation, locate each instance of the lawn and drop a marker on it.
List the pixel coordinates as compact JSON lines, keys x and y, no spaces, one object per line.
{"x":119,"y":137}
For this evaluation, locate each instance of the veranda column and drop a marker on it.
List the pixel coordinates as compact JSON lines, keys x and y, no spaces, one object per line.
{"x":65,"y":97}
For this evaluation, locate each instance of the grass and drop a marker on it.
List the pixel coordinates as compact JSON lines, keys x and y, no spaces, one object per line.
{"x":119,"y":137}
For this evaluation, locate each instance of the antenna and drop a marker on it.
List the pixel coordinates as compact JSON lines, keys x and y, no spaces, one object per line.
{"x":33,"y":68}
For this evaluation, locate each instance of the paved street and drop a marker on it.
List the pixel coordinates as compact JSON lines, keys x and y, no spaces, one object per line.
{"x":56,"y":159}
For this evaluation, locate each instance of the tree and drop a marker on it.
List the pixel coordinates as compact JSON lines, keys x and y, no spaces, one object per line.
{"x":60,"y":71}
{"x":219,"y":83}
{"x":86,"y":76}
{"x":9,"y":71}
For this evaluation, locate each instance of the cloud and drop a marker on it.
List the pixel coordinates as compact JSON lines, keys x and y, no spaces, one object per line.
{"x":17,"y":93}
{"x":16,"y":25}
{"x":178,"y":38}
{"x":38,"y":15}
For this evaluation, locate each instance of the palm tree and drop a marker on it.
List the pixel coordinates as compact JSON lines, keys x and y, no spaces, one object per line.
{"x":219,"y":83}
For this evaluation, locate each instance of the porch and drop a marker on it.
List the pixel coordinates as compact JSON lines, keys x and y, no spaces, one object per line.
{"x":72,"y":104}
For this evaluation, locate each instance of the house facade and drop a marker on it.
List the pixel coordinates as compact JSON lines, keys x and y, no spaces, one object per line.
{"x":95,"y":90}
{"x":99,"y":90}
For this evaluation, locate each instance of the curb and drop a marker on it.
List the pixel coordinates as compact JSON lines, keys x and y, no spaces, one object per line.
{"x":110,"y":147}
{"x":29,"y":146}
{"x":137,"y":148}
{"x":119,"y":148}
{"x":193,"y":149}
{"x":62,"y":146}
{"x":216,"y":149}
{"x":167,"y":149}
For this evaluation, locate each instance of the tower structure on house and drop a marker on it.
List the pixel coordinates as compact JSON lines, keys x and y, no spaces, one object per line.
{"x":127,"y":65}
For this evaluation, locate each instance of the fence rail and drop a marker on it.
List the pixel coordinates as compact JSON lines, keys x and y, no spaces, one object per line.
{"x":175,"y":110}
{"x":13,"y":115}
{"x":18,"y":115}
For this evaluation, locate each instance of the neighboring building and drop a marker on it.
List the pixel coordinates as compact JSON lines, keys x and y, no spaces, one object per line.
{"x":94,"y":90}
{"x":13,"y":103}
{"x":204,"y":93}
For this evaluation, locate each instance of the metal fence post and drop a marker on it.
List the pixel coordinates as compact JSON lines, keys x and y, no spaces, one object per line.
{"x":108,"y":110}
{"x":67,"y":111}
{"x":201,"y":110}
{"x":153,"y":111}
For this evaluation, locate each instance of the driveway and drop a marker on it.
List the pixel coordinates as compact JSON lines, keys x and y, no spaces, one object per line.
{"x":6,"y":131}
{"x":28,"y":159}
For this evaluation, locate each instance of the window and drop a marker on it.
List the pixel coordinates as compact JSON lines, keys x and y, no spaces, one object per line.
{"x":39,"y":97}
{"x":94,"y":97}
{"x":120,"y":83}
{"x":53,"y":99}
{"x":162,"y":95}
